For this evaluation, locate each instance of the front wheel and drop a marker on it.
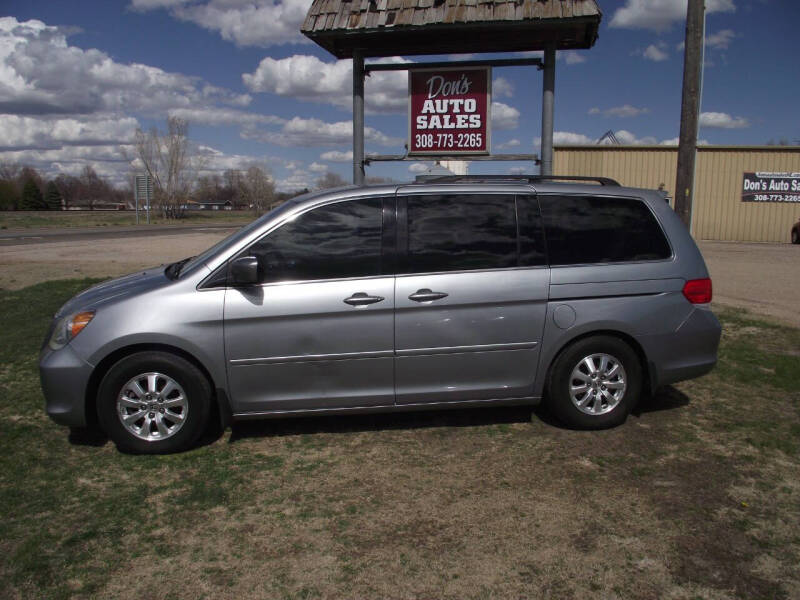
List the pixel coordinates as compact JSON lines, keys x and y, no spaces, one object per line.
{"x":154,"y":403}
{"x":595,"y":383}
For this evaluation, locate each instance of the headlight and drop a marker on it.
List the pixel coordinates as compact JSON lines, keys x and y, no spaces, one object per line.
{"x":68,"y":327}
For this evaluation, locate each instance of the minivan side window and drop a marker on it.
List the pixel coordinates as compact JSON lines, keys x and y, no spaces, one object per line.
{"x":330,"y":242}
{"x":458,"y":232}
{"x":591,"y":229}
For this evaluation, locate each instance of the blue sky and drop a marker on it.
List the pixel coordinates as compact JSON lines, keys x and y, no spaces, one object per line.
{"x":78,"y":77}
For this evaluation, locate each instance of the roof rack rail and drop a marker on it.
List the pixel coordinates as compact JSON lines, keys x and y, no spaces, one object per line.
{"x":514,"y":178}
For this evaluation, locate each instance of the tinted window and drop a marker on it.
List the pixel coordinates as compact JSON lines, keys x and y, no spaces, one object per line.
{"x":461,"y":232}
{"x":333,"y":241}
{"x":531,"y":237}
{"x":597,"y":230}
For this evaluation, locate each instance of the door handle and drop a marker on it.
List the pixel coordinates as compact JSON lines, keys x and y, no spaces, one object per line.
{"x":362,"y":299}
{"x":425,"y":295}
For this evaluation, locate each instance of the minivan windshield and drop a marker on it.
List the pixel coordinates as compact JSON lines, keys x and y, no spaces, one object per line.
{"x":232,"y":239}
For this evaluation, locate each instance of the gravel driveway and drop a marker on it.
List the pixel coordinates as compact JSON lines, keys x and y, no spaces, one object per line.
{"x":764,"y":278}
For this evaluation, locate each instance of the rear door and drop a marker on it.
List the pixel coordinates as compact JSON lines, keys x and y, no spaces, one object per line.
{"x":470,"y":297}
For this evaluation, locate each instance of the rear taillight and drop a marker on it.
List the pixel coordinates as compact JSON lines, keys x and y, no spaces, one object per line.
{"x":698,"y":291}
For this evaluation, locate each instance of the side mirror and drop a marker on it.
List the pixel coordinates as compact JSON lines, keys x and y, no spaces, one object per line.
{"x":244,"y":270}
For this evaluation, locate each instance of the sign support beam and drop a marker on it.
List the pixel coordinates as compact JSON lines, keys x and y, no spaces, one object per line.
{"x":548,"y":106}
{"x":358,"y":117}
{"x":361,"y":70}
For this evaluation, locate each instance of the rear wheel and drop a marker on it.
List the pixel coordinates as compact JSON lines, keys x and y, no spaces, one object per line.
{"x":154,"y":403}
{"x":594,"y":383}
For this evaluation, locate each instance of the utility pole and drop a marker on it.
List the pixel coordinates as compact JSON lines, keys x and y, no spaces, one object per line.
{"x":687,"y":145}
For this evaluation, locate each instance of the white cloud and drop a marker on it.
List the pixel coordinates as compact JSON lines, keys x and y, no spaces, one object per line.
{"x":502,"y":88}
{"x":656,"y":52}
{"x":297,"y":180}
{"x":244,"y":22}
{"x":41,"y":74}
{"x":626,"y":110}
{"x":514,"y":143}
{"x":19,"y":132}
{"x":573,"y":58}
{"x":317,"y":167}
{"x":419,"y":167}
{"x":224,"y":116}
{"x":315,"y":132}
{"x":674,"y":142}
{"x":722,"y":39}
{"x":308,"y":78}
{"x":626,"y":138}
{"x":718,"y":120}
{"x":504,"y":116}
{"x":337,"y":156}
{"x":109,"y":161}
{"x":566,"y":138}
{"x":660,"y":15}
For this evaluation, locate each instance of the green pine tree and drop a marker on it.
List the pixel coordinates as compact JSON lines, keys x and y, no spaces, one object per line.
{"x":32,"y":198}
{"x":9,"y":196}
{"x":52,"y":196}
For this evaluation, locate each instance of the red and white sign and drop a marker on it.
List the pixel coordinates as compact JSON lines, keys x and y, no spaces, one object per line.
{"x":449,"y":111}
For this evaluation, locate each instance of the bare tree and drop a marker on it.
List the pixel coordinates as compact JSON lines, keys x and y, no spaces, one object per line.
{"x":167,"y":158}
{"x":330,"y":180}
{"x":259,"y":189}
{"x":9,"y":171}
{"x":91,"y":188}
{"x":233,"y":189}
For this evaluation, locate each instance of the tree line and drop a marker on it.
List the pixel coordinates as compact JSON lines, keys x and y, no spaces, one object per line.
{"x":174,"y":166}
{"x":24,"y":188}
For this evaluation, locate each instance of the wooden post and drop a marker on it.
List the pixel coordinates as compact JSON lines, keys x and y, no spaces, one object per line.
{"x":687,"y":145}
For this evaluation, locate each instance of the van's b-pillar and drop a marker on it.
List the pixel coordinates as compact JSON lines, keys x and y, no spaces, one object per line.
{"x":548,"y":102}
{"x":358,"y":117}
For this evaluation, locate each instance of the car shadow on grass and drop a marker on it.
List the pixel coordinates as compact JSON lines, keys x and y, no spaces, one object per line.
{"x":667,"y":398}
{"x":473,"y":417}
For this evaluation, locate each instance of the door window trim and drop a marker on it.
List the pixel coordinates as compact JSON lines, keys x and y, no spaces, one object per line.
{"x":403,"y":238}
{"x":388,"y":257}
{"x":670,"y":258}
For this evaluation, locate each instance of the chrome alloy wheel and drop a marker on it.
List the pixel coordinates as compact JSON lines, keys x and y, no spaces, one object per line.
{"x":152,"y":406}
{"x":597,"y":384}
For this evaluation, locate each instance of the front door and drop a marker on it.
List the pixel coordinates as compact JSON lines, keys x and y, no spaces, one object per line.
{"x":471,"y":299}
{"x":318,"y":331}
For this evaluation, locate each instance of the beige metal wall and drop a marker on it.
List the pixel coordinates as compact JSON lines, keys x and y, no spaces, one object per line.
{"x":719,"y":213}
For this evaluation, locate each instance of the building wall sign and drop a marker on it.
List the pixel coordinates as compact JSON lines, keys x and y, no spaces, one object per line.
{"x":449,"y":111}
{"x":771,"y":187}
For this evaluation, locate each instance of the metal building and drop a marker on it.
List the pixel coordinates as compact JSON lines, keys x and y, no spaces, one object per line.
{"x":719,"y":211}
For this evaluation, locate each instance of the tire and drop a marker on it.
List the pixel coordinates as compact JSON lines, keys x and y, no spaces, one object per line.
{"x":164,"y":399}
{"x":795,"y":236}
{"x":578,"y":399}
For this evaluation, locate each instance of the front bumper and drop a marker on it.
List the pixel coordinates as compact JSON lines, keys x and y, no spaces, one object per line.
{"x":64,"y":376}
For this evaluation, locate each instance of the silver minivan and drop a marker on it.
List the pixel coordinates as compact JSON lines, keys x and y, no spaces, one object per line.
{"x":454,"y":292}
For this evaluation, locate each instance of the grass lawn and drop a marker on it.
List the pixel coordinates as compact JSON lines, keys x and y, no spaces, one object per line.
{"x":109,"y":218}
{"x":696,"y":496}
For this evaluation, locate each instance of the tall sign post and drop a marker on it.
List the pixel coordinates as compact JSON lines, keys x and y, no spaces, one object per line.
{"x":143,"y":190}
{"x":687,"y":142}
{"x":449,"y":111}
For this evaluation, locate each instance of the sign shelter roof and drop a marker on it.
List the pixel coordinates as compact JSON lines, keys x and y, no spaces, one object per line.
{"x":412,"y":27}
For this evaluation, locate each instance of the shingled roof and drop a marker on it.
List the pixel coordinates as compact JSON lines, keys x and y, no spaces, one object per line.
{"x":398,"y":27}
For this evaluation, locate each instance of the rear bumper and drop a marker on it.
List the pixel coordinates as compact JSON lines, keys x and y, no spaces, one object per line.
{"x":688,"y":352}
{"x":64,"y":377}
